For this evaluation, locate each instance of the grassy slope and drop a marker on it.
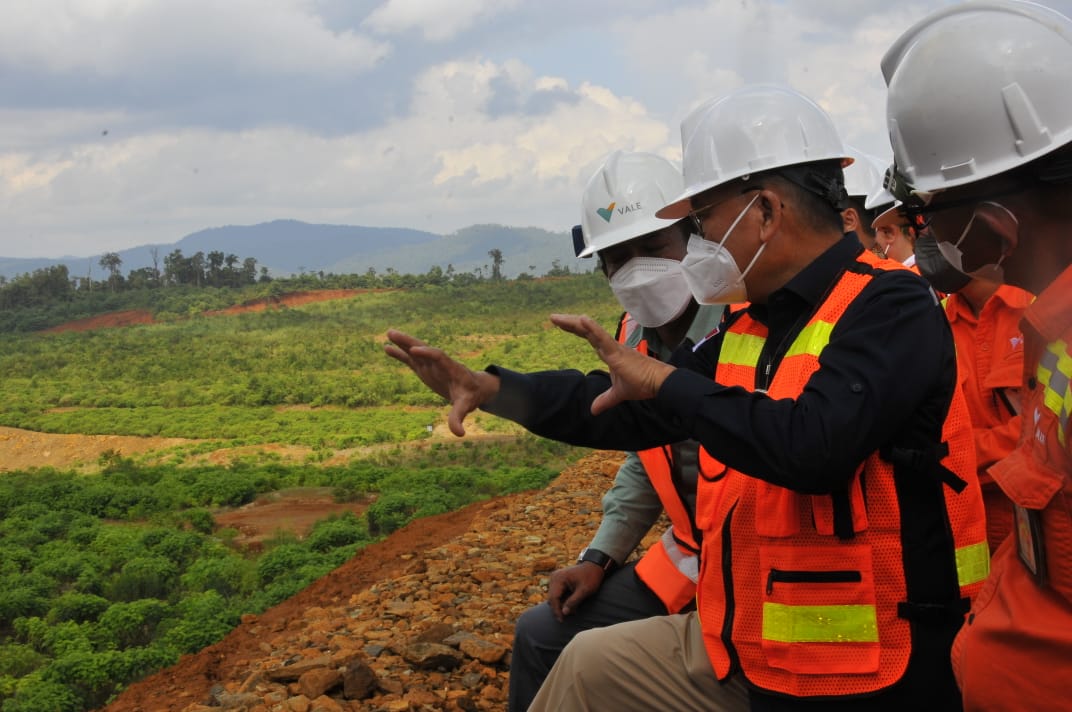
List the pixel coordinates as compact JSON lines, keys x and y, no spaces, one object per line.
{"x":228,"y":377}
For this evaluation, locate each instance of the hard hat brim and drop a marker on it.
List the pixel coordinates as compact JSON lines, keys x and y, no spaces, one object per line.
{"x":889,"y":216}
{"x":627,"y":232}
{"x":678,"y":209}
{"x":681,"y":205}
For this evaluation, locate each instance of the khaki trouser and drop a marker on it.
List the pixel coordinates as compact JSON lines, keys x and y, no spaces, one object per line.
{"x":652,"y":664}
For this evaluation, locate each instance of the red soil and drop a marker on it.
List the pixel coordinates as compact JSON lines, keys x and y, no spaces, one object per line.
{"x":131,"y":317}
{"x":134,"y":317}
{"x":288,"y":511}
{"x":197,"y":673}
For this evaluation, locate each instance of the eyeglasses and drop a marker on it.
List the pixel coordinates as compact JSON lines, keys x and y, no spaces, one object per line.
{"x":699,"y":215}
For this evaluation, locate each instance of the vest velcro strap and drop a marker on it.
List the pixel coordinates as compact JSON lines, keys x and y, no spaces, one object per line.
{"x":934,"y":613}
{"x":858,"y":267}
{"x":928,"y":461}
{"x":843,"y":527}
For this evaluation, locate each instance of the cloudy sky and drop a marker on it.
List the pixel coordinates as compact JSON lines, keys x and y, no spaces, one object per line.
{"x":129,"y":122}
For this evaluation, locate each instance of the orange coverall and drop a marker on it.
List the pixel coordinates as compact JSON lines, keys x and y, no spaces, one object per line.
{"x":990,"y":359}
{"x":1015,"y":649}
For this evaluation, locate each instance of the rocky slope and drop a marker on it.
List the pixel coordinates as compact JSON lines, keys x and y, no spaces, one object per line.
{"x":421,"y":621}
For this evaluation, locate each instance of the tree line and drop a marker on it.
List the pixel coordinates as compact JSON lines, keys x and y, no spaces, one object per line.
{"x":216,"y":269}
{"x":56,"y":284}
{"x":177,"y":283}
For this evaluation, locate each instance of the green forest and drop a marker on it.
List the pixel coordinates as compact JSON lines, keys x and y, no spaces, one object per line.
{"x":111,"y":572}
{"x":188,"y":286}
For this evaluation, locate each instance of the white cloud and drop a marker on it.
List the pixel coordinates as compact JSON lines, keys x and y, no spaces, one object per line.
{"x":447,"y":164}
{"x":437,"y":20}
{"x":828,"y":49}
{"x":432,"y":114}
{"x":109,"y":38}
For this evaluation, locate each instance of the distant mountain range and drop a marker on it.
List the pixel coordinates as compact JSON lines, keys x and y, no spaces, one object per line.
{"x":290,"y":247}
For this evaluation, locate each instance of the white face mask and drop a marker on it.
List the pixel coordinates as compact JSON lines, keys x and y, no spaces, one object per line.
{"x":652,"y":289}
{"x":712,"y":273}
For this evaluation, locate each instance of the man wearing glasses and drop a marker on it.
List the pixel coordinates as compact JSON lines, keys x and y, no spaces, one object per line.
{"x":986,"y":171}
{"x":843,"y":530}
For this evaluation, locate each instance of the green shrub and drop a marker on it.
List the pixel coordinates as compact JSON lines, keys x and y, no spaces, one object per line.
{"x":282,"y":561}
{"x":20,"y":602}
{"x":200,"y":520}
{"x":229,"y":576}
{"x":77,"y":607}
{"x":337,"y":531}
{"x":203,"y":619}
{"x":145,"y":577}
{"x":33,"y":694}
{"x":133,"y":624}
{"x":19,"y":660}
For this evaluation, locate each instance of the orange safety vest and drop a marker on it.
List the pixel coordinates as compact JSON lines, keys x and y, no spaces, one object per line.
{"x":807,"y":594}
{"x":661,"y":566}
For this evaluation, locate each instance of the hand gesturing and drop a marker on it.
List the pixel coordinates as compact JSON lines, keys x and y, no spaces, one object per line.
{"x":633,"y":375}
{"x":466,"y":389}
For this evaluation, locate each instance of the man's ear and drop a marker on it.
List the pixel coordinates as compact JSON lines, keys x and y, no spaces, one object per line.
{"x":1000,"y":221}
{"x":850,"y":220}
{"x":773,"y":210}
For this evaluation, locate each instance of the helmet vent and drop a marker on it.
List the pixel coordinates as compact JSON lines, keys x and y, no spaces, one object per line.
{"x":1031,"y":135}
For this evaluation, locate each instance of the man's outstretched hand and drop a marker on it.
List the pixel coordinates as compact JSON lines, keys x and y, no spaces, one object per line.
{"x":466,"y":389}
{"x":633,"y":376}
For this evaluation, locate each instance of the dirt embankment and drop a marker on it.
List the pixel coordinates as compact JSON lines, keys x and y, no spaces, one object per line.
{"x":464,"y":576}
{"x":136,"y":317}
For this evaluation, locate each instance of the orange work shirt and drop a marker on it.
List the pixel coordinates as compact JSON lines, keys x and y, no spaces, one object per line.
{"x":990,"y":362}
{"x":1015,"y":649}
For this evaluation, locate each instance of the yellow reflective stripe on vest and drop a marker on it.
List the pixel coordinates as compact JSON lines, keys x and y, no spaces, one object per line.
{"x":812,"y":339}
{"x":819,"y":624}
{"x":973,"y":563}
{"x":1055,"y":373}
{"x":741,"y":349}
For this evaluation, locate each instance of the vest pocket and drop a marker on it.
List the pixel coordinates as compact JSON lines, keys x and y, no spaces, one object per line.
{"x":819,"y":609}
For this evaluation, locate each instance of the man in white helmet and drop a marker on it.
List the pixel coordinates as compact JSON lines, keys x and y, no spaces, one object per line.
{"x":640,"y":254}
{"x":843,"y":532}
{"x":980,"y":118}
{"x":895,"y":236}
{"x":862,"y":178}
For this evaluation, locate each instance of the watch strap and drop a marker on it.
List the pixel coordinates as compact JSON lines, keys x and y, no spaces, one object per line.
{"x":597,"y":557}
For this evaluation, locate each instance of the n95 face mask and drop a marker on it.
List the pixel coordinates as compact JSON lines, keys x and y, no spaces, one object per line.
{"x":652,"y":289}
{"x":712,"y":273}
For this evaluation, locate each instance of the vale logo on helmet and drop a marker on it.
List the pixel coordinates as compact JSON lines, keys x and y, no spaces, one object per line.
{"x":608,"y":212}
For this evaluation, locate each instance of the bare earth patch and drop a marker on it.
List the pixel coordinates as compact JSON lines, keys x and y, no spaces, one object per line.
{"x":25,"y":449}
{"x":294,"y":510}
{"x":131,"y":317}
{"x":135,"y":317}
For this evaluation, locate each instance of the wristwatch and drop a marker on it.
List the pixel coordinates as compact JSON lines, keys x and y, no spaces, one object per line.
{"x":597,"y":557}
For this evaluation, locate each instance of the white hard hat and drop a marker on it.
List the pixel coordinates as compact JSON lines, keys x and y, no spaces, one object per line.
{"x":864,"y":174}
{"x":976,"y":90}
{"x":753,"y":129}
{"x":890,"y":216}
{"x":880,"y":194}
{"x":620,"y":200}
